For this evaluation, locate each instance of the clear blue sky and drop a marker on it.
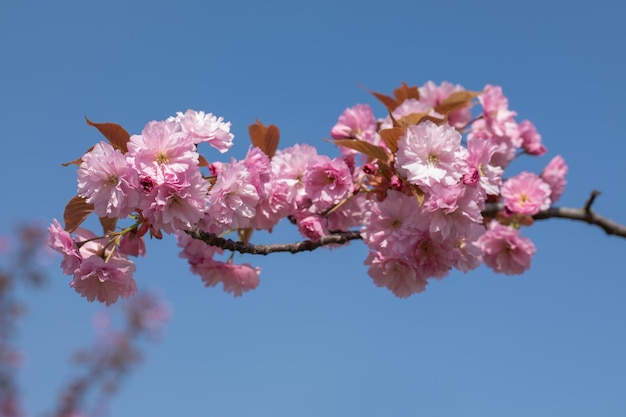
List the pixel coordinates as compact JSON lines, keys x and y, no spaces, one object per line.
{"x":317,"y":338}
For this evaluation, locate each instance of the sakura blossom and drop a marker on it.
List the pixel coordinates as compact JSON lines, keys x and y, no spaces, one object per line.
{"x":205,"y":127}
{"x":526,"y":194}
{"x":108,"y":181}
{"x":396,"y":274}
{"x":61,"y":241}
{"x":504,"y":250}
{"x":429,"y":154}
{"x":554,"y":175}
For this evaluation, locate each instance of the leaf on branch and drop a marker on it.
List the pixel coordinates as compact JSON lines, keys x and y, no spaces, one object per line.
{"x":264,"y":137}
{"x":116,"y":134}
{"x":412,"y":119}
{"x":419,"y":194}
{"x":405,"y":92}
{"x":456,"y":101}
{"x":108,"y":224}
{"x":202,"y":162}
{"x":364,"y":147}
{"x":391,"y":137}
{"x":76,"y":211}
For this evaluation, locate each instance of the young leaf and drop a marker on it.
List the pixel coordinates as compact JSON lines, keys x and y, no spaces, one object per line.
{"x":456,"y":101}
{"x":116,"y":134}
{"x":264,"y":137}
{"x":366,"y":148}
{"x":76,"y":211}
{"x":108,"y":224}
{"x":391,"y":136}
{"x":405,"y":92}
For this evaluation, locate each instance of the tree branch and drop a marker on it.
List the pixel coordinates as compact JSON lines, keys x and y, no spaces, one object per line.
{"x":584,"y":214}
{"x":337,"y":238}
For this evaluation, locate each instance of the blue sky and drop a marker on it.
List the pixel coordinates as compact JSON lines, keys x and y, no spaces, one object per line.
{"x":317,"y":338}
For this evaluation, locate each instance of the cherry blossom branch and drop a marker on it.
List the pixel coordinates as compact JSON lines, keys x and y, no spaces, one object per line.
{"x":584,"y":214}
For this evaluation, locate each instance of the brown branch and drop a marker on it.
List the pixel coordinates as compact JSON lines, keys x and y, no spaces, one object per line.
{"x":337,"y":238}
{"x":584,"y":214}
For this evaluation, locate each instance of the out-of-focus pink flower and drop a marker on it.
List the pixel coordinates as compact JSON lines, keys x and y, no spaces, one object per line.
{"x":132,"y":245}
{"x":554,"y":175}
{"x":504,"y":250}
{"x":531,"y":140}
{"x":108,"y":181}
{"x":203,"y":127}
{"x":429,"y":154}
{"x":396,"y":274}
{"x":62,"y":242}
{"x":526,"y":194}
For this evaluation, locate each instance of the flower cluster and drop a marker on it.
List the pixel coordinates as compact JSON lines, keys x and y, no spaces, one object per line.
{"x":415,"y":183}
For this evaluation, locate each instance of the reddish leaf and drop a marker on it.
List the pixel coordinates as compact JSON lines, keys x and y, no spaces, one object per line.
{"x":108,"y":224}
{"x":411,"y":119}
{"x":76,"y":161}
{"x":391,"y":136}
{"x":404,"y":92}
{"x":388,"y":101}
{"x":76,"y":211}
{"x":202,"y":162}
{"x":419,"y":194}
{"x":456,"y":101}
{"x":364,"y":147}
{"x":264,"y":137}
{"x":116,"y":134}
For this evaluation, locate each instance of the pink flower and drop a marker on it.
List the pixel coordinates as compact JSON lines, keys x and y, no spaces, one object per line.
{"x":505,"y":251}
{"x":162,"y":147}
{"x":434,"y":95}
{"x":480,"y":170}
{"x":203,"y":127}
{"x":108,"y":181}
{"x":531,"y":139}
{"x":103,"y":280}
{"x":238,"y":279}
{"x":176,"y":201}
{"x":62,"y":242}
{"x":233,"y":198}
{"x":429,"y":154}
{"x":396,"y":274}
{"x":356,"y":122}
{"x":554,"y":175}
{"x":327,"y":182}
{"x":313,"y":227}
{"x":394,"y":223}
{"x":526,"y":194}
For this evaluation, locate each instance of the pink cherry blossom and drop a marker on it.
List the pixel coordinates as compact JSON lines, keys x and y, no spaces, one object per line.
{"x":526,"y":194}
{"x":554,"y":175}
{"x":480,"y":170}
{"x":105,"y":281}
{"x":531,"y":139}
{"x":108,"y":181}
{"x":176,"y":201}
{"x":505,"y":250}
{"x":429,"y":154}
{"x":434,"y":95}
{"x":394,"y":223}
{"x":162,"y":146}
{"x":62,"y":242}
{"x":233,"y":198}
{"x":327,"y":182}
{"x":396,"y":274}
{"x":203,"y":127}
{"x":313,"y":226}
{"x":356,"y":122}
